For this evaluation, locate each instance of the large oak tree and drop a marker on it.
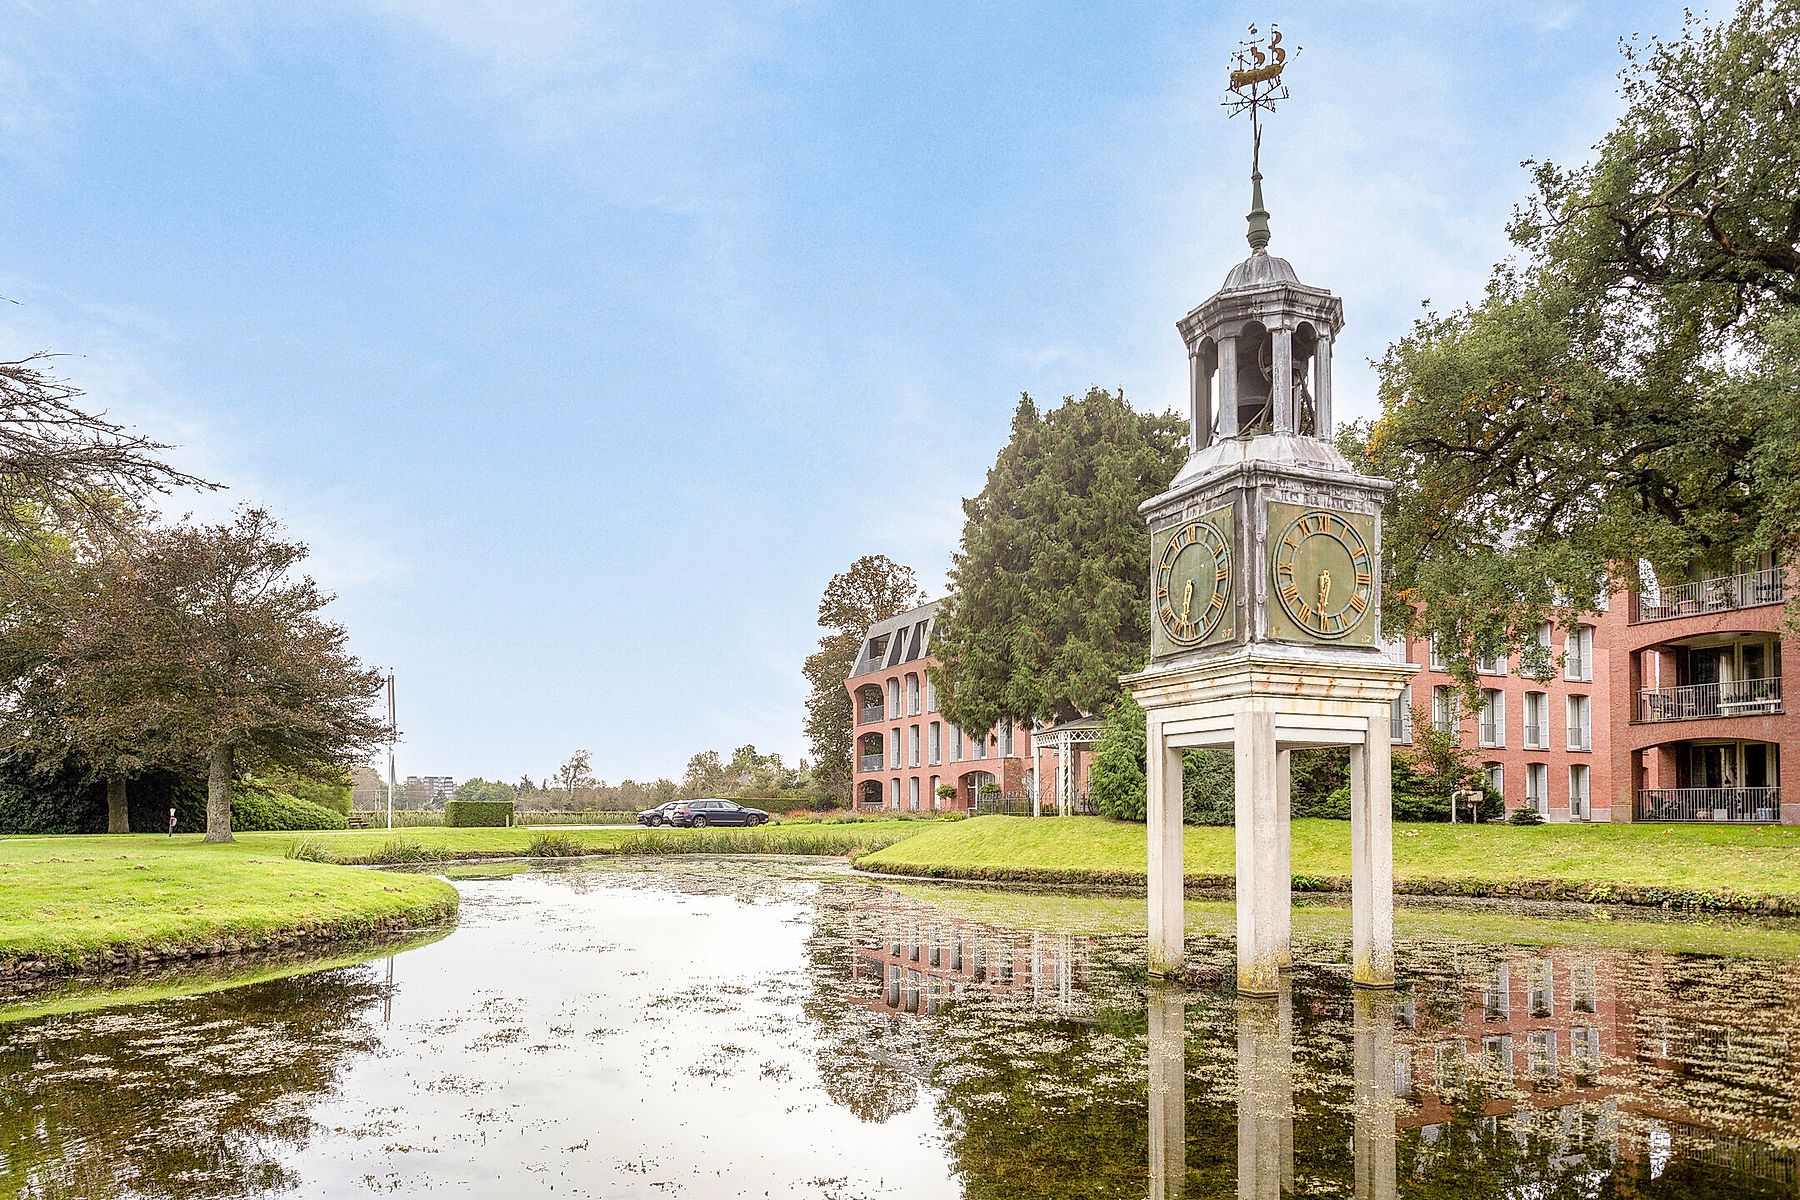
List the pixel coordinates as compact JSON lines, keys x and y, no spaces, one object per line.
{"x":872,"y":589}
{"x":1628,"y":390}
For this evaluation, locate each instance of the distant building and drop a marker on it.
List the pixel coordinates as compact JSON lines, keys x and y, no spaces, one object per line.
{"x":431,"y":789}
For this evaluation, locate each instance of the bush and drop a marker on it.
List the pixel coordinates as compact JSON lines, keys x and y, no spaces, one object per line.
{"x":554,"y":845}
{"x":467,"y":814}
{"x":309,"y":850}
{"x":253,"y":810}
{"x":1525,"y":816}
{"x":405,"y":851}
{"x":1116,"y":778}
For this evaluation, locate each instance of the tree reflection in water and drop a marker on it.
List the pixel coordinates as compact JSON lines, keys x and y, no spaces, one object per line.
{"x":186,"y":1098}
{"x":1498,"y":1072}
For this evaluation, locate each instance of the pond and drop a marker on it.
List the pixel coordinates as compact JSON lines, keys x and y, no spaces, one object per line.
{"x":766,"y":1028}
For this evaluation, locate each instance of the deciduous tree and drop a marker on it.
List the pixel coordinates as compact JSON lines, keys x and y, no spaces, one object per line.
{"x":1050,"y":599}
{"x":1628,"y":390}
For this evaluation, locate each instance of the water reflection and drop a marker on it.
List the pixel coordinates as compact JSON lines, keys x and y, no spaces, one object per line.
{"x":727,"y":1029}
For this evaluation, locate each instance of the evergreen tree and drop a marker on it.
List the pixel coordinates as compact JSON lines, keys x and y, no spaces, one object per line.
{"x":1050,"y":599}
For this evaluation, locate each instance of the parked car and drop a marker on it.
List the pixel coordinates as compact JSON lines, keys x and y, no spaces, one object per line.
{"x":698,"y":814}
{"x":658,"y":815}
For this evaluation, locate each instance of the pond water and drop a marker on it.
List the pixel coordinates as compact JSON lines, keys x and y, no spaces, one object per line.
{"x":765,"y":1028}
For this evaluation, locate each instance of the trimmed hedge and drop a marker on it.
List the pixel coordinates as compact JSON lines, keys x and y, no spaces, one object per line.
{"x":466,"y":814}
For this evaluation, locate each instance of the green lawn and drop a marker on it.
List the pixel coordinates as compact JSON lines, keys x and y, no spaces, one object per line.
{"x":70,"y":900}
{"x":1722,"y":866}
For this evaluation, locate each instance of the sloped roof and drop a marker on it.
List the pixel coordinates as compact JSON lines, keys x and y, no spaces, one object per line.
{"x":902,"y":638}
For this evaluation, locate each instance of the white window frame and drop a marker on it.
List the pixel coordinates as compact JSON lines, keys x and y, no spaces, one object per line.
{"x":1491,"y":725}
{"x":1537,"y":787}
{"x":1436,"y":656}
{"x":1445,"y":712}
{"x":1400,"y":730}
{"x":934,"y":743}
{"x":1491,"y":666}
{"x":912,"y":745}
{"x":1578,"y":655}
{"x":1580,"y":784}
{"x":1578,"y":717}
{"x":956,"y":743}
{"x":1006,"y":739}
{"x":1494,"y":775}
{"x":1542,"y":741}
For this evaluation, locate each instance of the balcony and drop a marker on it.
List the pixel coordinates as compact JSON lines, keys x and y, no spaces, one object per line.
{"x":1732,"y":698}
{"x":1491,"y":734}
{"x":870,"y":762}
{"x":1720,"y":594}
{"x":1746,"y":805}
{"x":869,"y":713}
{"x":1537,"y":737}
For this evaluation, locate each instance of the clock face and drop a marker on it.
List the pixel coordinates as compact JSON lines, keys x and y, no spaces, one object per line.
{"x":1324,"y":574}
{"x":1191,"y":580}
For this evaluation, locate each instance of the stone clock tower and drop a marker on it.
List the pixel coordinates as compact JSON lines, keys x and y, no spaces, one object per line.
{"x":1265,"y":568}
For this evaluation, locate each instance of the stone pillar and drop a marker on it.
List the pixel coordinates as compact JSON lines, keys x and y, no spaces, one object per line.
{"x":1162,"y":799}
{"x":1322,"y":388}
{"x":1265,"y":1100}
{"x":1168,"y":1093}
{"x":1281,"y":383}
{"x":1372,"y":1048}
{"x":1199,"y":402}
{"x":1257,"y":853}
{"x":1065,"y":776}
{"x":1228,"y":386}
{"x":1284,"y":859}
{"x":1372,"y":854}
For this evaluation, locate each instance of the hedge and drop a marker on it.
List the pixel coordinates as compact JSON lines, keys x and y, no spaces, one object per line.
{"x":464,"y":814}
{"x":252,"y":811}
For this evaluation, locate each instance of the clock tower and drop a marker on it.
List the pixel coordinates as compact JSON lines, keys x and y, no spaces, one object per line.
{"x":1265,"y":569}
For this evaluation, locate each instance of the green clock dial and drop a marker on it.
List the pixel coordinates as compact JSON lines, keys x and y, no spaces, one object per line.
{"x":1192,"y":582}
{"x":1324,"y":574}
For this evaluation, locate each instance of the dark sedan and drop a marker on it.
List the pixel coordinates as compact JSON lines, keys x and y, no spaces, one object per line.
{"x":658,"y":815}
{"x":698,"y":814}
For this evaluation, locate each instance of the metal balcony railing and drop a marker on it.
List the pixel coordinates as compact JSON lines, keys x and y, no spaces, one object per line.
{"x":1537,"y":737}
{"x":870,"y":712}
{"x":1746,"y":804}
{"x":1491,"y":734}
{"x":1720,"y":594}
{"x":1731,"y":698}
{"x":1580,"y":738}
{"x":871,"y":762}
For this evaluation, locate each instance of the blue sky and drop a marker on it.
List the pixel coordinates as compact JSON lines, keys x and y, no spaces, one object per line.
{"x":585,"y":342}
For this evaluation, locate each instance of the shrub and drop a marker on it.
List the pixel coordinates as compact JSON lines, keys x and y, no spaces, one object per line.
{"x":310,"y":850}
{"x":255,"y":810}
{"x":1525,"y":816}
{"x":554,"y":845}
{"x":466,"y":814}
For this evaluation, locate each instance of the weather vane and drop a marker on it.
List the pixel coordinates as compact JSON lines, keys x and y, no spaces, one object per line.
{"x":1256,"y":84}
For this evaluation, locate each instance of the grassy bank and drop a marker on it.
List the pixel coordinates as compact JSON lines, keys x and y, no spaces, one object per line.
{"x":71,"y":903}
{"x":446,"y":845}
{"x":1746,"y":868}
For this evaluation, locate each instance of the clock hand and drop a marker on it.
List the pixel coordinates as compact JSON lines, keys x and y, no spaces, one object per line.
{"x":1187,"y":602}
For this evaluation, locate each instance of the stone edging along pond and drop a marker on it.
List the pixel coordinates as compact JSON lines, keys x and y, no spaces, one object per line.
{"x":1700,"y":900}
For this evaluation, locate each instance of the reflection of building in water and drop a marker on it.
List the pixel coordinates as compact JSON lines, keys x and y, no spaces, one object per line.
{"x":916,"y":957}
{"x":1636,"y":1061}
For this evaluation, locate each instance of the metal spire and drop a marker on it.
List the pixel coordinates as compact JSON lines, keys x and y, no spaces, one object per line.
{"x":1255,"y":84}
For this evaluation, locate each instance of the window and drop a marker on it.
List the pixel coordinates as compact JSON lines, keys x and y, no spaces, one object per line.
{"x":930,"y":695}
{"x":1437,"y":660}
{"x":934,"y":743}
{"x":1578,"y":655}
{"x":1491,"y":666}
{"x":1400,"y":717}
{"x":893,"y":699}
{"x":894,"y":746}
{"x":1537,"y":720}
{"x":977,"y":745}
{"x":1494,"y":775}
{"x":1496,"y":996}
{"x":894,"y":795}
{"x":1493,"y":717}
{"x":1542,"y":1002}
{"x":956,"y":746}
{"x":1006,"y":739}
{"x":1443,"y":708}
{"x":937,"y":802}
{"x":1537,"y":788}
{"x":912,"y":746}
{"x":1584,"y":1048}
{"x":1540,"y":1053}
{"x":1580,"y":735}
{"x":912,"y":695}
{"x":1497,"y":1053}
{"x":912,"y":805}
{"x":1584,"y":988}
{"x":1578,"y":792}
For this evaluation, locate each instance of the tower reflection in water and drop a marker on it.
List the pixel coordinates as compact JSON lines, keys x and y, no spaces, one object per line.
{"x":1265,"y":1095}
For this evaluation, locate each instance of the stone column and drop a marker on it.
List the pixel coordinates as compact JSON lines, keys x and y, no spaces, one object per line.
{"x":1168,"y":1093}
{"x":1199,"y":402}
{"x":1265,"y":1100}
{"x":1257,"y":853}
{"x":1162,"y":799}
{"x":1284,"y":859}
{"x":1228,"y":386}
{"x":1322,"y":388}
{"x":1281,"y":383}
{"x":1372,"y":1048}
{"x":1372,"y":854}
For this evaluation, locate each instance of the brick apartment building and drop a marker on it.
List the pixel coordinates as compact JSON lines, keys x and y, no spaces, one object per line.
{"x":1665,"y":705}
{"x":903,"y":748}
